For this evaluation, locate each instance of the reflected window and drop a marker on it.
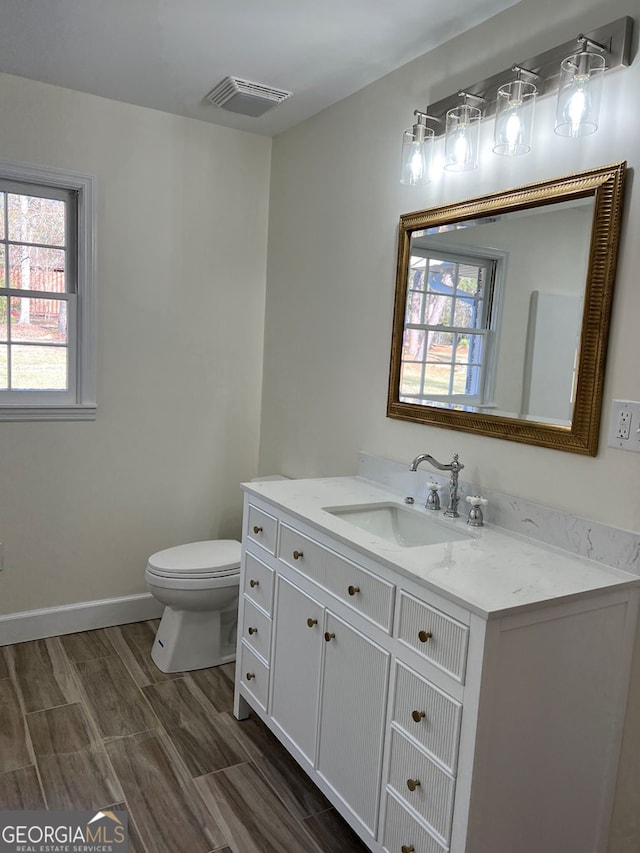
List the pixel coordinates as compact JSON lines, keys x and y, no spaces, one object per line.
{"x":449,"y":327}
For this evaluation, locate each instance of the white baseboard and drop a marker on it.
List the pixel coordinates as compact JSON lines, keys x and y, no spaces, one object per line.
{"x":70,"y":618}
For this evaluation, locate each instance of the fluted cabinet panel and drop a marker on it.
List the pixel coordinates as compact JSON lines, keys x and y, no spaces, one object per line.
{"x":256,"y":629}
{"x":258,"y":583}
{"x":297,"y":649}
{"x":402,"y":831}
{"x":421,"y":784}
{"x":437,"y":722}
{"x":438,"y":637}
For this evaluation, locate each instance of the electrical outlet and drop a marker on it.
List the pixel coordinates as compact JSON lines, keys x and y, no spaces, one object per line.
{"x":624,"y":430}
{"x":624,"y":424}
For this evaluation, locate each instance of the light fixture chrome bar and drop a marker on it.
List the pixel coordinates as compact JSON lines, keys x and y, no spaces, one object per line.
{"x":615,"y":38}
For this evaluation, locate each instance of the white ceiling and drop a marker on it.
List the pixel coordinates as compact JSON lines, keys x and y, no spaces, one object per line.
{"x":169,"y":54}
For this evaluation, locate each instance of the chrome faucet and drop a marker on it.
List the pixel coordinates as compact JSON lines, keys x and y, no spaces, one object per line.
{"x":455,"y":467}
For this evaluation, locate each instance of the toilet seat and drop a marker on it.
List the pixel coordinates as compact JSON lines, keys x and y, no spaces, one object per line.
{"x":209,"y":560}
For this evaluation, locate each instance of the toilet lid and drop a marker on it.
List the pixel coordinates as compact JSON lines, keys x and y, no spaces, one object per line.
{"x":215,"y":557}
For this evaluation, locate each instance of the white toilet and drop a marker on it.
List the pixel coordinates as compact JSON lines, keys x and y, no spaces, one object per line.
{"x":198,"y":584}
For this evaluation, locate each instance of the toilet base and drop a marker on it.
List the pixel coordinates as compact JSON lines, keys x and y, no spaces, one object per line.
{"x":194,"y":639}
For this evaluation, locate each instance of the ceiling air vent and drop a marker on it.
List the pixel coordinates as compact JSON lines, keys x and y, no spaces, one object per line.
{"x":246,"y":98}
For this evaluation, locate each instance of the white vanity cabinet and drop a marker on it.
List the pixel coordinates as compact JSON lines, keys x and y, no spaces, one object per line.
{"x":432,"y":727}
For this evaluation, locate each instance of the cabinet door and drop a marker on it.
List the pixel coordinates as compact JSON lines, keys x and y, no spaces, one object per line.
{"x":297,"y":651}
{"x":352,"y":716}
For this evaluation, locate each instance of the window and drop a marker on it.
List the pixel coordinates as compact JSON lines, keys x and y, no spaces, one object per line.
{"x":450,"y":320}
{"x":47,"y":294}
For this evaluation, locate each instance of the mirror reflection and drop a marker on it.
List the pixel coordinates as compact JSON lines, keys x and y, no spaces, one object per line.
{"x":491,"y":325}
{"x":502,"y":311}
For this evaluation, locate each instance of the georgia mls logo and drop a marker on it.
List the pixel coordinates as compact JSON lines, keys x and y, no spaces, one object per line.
{"x":63,"y":832}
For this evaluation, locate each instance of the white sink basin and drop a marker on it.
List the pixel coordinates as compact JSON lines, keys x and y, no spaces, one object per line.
{"x":406,"y":527}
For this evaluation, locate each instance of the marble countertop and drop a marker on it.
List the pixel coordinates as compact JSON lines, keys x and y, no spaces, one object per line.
{"x":494,"y":573}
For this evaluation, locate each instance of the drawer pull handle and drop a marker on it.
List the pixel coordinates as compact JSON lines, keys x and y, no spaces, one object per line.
{"x":252,"y":631}
{"x":311,"y":622}
{"x":257,"y":529}
{"x":423,"y":636}
{"x":352,"y":590}
{"x":408,"y":848}
{"x":328,"y":637}
{"x":412,"y":784}
{"x":250,"y":675}
{"x":253,"y":583}
{"x":417,"y":716}
{"x":297,"y":555}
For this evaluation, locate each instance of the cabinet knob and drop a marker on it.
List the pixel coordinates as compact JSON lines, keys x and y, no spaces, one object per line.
{"x":408,"y":848}
{"x":257,"y":529}
{"x":311,"y":622}
{"x":352,"y":590}
{"x":328,"y":637}
{"x":251,"y":675}
{"x":255,"y":631}
{"x":297,"y":555}
{"x":423,"y":636}
{"x":417,"y":716}
{"x":253,"y":583}
{"x":412,"y":784}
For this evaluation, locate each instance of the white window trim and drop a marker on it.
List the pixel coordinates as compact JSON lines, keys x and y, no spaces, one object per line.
{"x":84,"y":409}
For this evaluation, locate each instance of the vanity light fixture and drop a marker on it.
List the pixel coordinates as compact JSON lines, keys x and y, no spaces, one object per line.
{"x":515,"y":103}
{"x":462,"y":135}
{"x":575,"y":73}
{"x":417,"y":151}
{"x":580,"y":89}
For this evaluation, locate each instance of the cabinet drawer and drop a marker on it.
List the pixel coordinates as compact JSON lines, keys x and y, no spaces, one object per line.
{"x":366,"y":593}
{"x":256,"y":630}
{"x":428,"y":715}
{"x":403,"y":834}
{"x":437,"y":637}
{"x":258,"y":583}
{"x":302,"y":553}
{"x":432,"y":794}
{"x":254,"y":675}
{"x":262,"y":529}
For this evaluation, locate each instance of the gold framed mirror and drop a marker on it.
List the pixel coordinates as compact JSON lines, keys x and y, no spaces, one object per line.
{"x":502,"y":309}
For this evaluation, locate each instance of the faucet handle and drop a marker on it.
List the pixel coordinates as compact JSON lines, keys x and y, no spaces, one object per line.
{"x":476,"y":503}
{"x":433,"y":498}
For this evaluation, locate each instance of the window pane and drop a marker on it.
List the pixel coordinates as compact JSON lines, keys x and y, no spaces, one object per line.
{"x":415,"y":307}
{"x":413,"y":345}
{"x":2,"y":270}
{"x":40,"y":320}
{"x":42,"y":368}
{"x":465,"y":313}
{"x":32,"y":268}
{"x":36,"y":220}
{"x":3,"y":367}
{"x":466,"y":380}
{"x":3,"y":318}
{"x":410,"y":378}
{"x":437,"y":378}
{"x":2,"y":203}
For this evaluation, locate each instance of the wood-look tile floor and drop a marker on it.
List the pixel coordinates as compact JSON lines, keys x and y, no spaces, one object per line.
{"x":87,"y":721}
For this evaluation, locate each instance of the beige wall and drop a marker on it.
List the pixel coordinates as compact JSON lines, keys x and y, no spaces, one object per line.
{"x":335,"y":204}
{"x":181,"y":248}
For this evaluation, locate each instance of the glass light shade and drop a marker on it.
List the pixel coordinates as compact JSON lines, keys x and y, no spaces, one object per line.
{"x":462,"y":136}
{"x":417,"y":152}
{"x":514,"y":118}
{"x":579,"y":95}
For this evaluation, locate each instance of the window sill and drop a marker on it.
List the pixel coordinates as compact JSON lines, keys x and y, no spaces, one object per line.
{"x":48,"y":413}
